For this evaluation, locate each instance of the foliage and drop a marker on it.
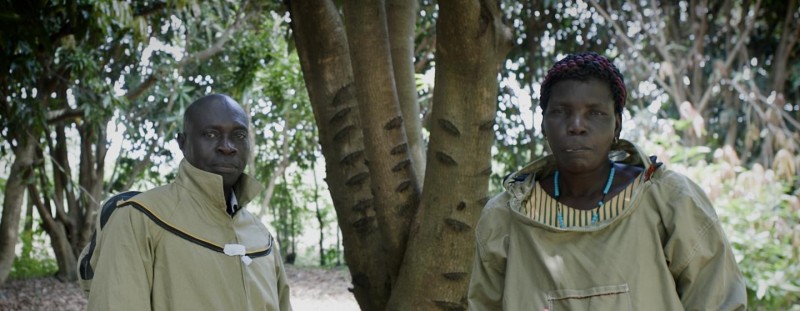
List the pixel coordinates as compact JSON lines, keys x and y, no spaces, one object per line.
{"x":759,"y":211}
{"x":35,"y":261}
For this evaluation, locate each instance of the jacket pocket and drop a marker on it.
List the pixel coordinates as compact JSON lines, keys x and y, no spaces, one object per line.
{"x":613,"y":297}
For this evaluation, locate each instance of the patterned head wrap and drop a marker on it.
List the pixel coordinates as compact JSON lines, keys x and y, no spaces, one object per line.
{"x":583,"y":66}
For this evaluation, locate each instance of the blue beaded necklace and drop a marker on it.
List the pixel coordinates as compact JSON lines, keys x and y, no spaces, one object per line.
{"x":595,"y":216}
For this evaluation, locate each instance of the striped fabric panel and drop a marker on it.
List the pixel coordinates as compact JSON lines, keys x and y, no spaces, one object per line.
{"x":543,"y":208}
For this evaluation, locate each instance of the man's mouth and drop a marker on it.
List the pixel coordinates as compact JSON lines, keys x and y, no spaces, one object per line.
{"x":226,"y":167}
{"x":576,"y":149}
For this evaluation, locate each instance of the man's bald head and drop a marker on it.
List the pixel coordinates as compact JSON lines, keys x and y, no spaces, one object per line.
{"x":215,"y":137}
{"x":203,"y":103}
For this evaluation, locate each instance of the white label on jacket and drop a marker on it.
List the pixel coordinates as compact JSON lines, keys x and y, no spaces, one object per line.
{"x":234,"y":250}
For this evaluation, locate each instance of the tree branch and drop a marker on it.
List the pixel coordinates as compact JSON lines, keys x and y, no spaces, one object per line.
{"x":212,"y":50}
{"x":731,"y":57}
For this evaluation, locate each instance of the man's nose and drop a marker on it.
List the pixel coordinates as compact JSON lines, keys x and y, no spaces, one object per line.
{"x":226,"y":146}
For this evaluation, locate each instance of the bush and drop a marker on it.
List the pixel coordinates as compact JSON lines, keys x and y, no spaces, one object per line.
{"x":34,"y":261}
{"x":759,"y":211}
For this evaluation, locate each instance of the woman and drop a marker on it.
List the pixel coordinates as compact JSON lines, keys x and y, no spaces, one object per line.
{"x":578,"y":231}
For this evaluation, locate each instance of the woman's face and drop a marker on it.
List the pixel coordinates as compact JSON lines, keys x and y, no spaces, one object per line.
{"x":580,"y":124}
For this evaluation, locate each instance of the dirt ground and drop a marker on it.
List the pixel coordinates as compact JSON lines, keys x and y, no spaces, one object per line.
{"x":311,"y":289}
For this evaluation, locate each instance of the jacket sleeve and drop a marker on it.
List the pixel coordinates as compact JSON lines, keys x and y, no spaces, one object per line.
{"x":283,"y":285}
{"x":487,"y":281}
{"x":699,"y":255}
{"x":123,"y":270}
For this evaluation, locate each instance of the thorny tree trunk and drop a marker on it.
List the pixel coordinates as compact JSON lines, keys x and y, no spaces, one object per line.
{"x":436,"y":260}
{"x":325,"y":59}
{"x":393,"y":182}
{"x":401,"y":20}
{"x":472,"y":44}
{"x":18,"y":178}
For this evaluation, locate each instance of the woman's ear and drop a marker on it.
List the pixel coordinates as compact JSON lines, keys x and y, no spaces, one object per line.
{"x":541,"y":126}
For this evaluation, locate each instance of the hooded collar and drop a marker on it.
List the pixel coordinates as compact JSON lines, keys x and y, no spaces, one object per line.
{"x":209,"y":185}
{"x":520,"y":183}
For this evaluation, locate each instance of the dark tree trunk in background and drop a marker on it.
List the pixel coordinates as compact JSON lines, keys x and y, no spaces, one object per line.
{"x":18,"y":180}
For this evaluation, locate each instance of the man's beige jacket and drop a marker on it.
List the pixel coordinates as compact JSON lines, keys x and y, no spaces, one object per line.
{"x":138,"y":265}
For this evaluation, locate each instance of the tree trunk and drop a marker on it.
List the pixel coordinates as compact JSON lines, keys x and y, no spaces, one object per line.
{"x":472,"y":44}
{"x":391,"y":169}
{"x":790,"y":32}
{"x":283,"y":163}
{"x":320,"y":220}
{"x":401,"y":20}
{"x":92,"y":169}
{"x":65,"y":257}
{"x":458,"y":171}
{"x":325,"y":60}
{"x":18,"y":179}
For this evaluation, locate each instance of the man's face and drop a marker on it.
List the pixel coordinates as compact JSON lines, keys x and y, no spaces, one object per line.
{"x":580,"y":124}
{"x":216,"y":139}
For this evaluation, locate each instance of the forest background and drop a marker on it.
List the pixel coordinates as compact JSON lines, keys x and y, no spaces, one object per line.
{"x":381,"y":127}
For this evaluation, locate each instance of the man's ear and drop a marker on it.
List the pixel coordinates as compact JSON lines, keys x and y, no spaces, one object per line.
{"x":181,"y":140}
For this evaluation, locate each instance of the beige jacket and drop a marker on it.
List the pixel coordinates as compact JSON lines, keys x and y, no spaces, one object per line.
{"x":666,"y":251}
{"x":138,"y":265}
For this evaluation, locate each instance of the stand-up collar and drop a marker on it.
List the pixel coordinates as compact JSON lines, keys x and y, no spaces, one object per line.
{"x":209,"y":185}
{"x":519,"y":183}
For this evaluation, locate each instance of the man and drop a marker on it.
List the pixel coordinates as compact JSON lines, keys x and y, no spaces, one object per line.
{"x":191,"y":245}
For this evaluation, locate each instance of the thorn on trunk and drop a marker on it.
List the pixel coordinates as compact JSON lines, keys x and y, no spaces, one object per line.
{"x":394,"y":123}
{"x":488,"y":125}
{"x":364,"y":226}
{"x":461,"y":206}
{"x":449,"y":305}
{"x":445,"y":159}
{"x":400,"y":166}
{"x":340,"y":115}
{"x":351,"y":158}
{"x":362,"y":205}
{"x":449,"y":127}
{"x":457,"y":225}
{"x":341,"y":134}
{"x":455,"y":276}
{"x":340,"y":94}
{"x":401,"y":148}
{"x":487,"y":171}
{"x":357,"y":179}
{"x":403,"y":186}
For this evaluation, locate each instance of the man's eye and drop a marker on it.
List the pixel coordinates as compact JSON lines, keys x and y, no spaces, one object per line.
{"x":241,"y":135}
{"x":211,"y":135}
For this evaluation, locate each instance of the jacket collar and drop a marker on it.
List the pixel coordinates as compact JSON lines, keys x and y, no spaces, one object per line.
{"x":520,"y":183}
{"x":209,"y":185}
